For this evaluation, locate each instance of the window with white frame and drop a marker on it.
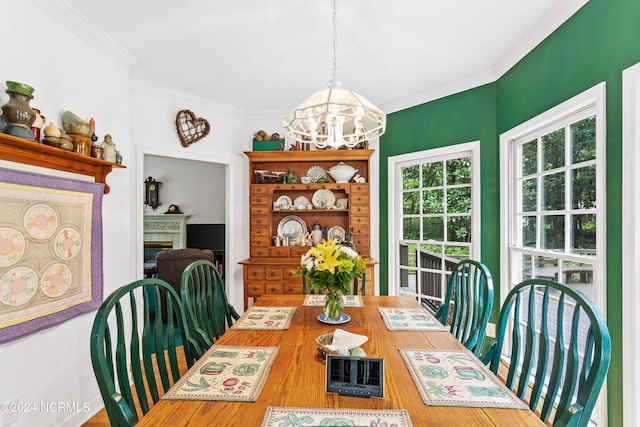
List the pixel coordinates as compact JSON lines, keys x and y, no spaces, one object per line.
{"x":552,"y":208}
{"x":434,"y":211}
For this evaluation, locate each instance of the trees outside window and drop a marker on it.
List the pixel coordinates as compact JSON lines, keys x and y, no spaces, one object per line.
{"x":434,"y":197}
{"x":553,"y":200}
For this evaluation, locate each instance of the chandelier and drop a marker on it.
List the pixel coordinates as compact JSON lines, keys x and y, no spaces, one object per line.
{"x":335,"y":116}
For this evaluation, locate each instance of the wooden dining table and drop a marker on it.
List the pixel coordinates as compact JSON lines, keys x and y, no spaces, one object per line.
{"x":297,"y":376}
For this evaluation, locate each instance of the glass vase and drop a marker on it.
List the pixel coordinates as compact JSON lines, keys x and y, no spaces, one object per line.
{"x":333,"y":305}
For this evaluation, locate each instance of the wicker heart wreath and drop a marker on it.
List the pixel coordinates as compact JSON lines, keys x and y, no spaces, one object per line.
{"x":191,"y":129}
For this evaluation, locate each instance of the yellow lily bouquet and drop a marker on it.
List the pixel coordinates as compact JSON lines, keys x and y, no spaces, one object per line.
{"x":331,"y":266}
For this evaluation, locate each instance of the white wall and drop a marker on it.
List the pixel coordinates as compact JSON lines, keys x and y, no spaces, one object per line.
{"x":73,"y":72}
{"x":198,"y":188}
{"x":68,"y":74}
{"x":153,"y":131}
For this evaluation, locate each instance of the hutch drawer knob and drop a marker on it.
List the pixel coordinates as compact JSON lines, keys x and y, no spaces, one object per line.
{"x":254,"y":273}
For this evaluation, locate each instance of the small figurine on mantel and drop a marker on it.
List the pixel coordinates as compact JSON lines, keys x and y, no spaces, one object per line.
{"x":108,"y":149}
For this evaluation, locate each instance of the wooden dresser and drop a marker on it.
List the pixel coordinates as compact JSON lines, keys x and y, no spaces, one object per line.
{"x":270,"y":268}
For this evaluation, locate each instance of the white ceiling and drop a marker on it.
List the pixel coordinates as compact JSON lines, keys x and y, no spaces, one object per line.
{"x":269,"y":55}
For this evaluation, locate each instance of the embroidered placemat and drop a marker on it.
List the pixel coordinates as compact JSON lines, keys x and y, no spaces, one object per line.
{"x":226,"y":373}
{"x":347,"y":301}
{"x":409,"y":319}
{"x":281,"y":416}
{"x":457,"y":378}
{"x":265,"y":318}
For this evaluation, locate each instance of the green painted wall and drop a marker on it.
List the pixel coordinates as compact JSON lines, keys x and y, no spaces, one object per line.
{"x":595,"y":45}
{"x":464,"y":117}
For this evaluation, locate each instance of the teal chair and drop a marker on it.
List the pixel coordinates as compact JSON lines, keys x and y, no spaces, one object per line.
{"x":467,"y":304}
{"x":205,"y":302}
{"x":558,"y":356}
{"x":363,"y":289}
{"x":127,"y":317}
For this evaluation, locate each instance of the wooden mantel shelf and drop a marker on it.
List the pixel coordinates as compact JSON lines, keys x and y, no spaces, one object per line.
{"x":32,"y":153}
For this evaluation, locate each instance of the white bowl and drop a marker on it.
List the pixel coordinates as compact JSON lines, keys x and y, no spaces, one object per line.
{"x":342,"y":173}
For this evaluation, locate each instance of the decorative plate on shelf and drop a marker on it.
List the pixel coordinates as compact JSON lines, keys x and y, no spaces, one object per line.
{"x":301,"y":200}
{"x":292,"y":226}
{"x":284,"y":202}
{"x":336,"y":233}
{"x":315,"y":173}
{"x":323,"y":199}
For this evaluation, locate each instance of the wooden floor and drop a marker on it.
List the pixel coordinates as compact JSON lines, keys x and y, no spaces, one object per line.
{"x":98,"y":420}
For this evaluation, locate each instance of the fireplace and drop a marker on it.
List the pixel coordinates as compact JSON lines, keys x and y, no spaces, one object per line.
{"x":151,"y":249}
{"x":162,"y":233}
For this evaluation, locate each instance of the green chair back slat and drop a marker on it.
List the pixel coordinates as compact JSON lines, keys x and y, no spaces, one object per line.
{"x":208,"y":311}
{"x":560,"y":382}
{"x":121,"y":357}
{"x":467,"y":304}
{"x":157,"y":333}
{"x":139,"y":351}
{"x":543,"y":354}
{"x":559,"y":355}
{"x":529,"y":348}
{"x":515,"y":350}
{"x":572,"y":372}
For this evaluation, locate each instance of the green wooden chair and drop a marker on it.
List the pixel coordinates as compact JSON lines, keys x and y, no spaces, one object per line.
{"x":559,"y":354}
{"x":363,"y":289}
{"x":205,"y":301}
{"x":136,"y":336}
{"x":467,"y":304}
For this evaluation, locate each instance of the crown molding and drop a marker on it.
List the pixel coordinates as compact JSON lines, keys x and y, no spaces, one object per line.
{"x":550,"y":21}
{"x":74,"y":21}
{"x":440,"y":91}
{"x":543,"y":28}
{"x":172,"y":94}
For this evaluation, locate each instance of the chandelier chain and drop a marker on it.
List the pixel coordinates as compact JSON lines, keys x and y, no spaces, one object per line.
{"x":335,"y":117}
{"x":335,"y":40}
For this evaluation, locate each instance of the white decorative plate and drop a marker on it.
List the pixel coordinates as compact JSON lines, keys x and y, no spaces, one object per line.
{"x":292,"y":226}
{"x":284,"y":202}
{"x":315,"y":173}
{"x":301,"y":200}
{"x":323,"y":199}
{"x":336,"y":233}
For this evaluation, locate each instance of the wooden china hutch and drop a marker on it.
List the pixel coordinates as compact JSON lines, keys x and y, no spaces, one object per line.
{"x":271,"y":269}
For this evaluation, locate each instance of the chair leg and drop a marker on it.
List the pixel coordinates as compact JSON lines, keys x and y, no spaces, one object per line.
{"x":355,"y":285}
